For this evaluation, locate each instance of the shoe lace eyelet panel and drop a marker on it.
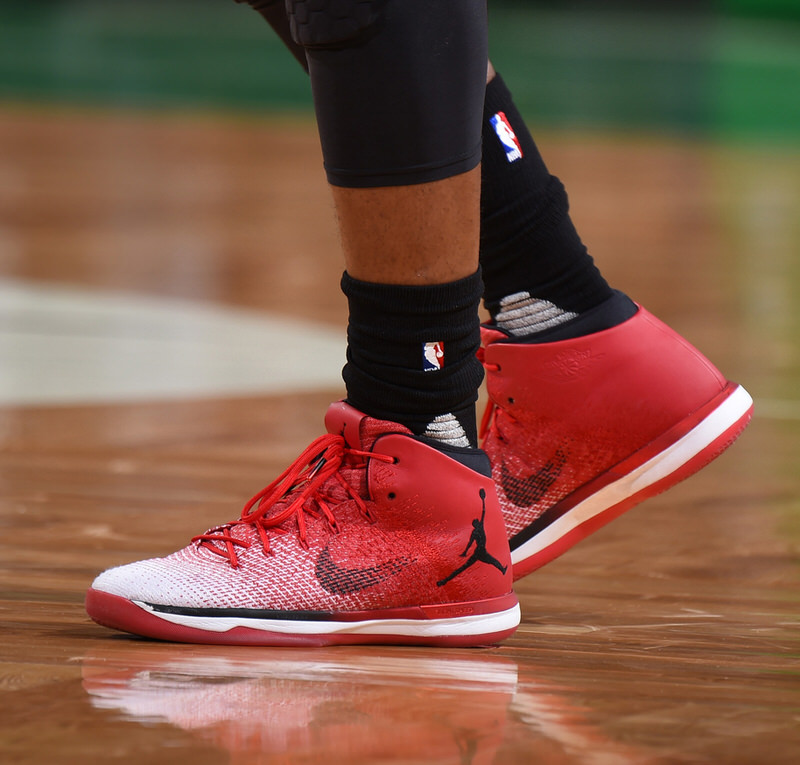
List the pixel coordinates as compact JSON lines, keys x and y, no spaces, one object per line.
{"x":303,"y":490}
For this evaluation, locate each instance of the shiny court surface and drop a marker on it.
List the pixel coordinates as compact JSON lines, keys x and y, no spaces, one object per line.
{"x":155,"y":263}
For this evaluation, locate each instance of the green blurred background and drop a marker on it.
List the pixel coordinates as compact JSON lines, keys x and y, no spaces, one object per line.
{"x":727,"y":69}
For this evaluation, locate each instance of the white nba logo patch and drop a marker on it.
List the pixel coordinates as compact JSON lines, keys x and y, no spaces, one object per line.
{"x":507,"y":137}
{"x":432,"y":356}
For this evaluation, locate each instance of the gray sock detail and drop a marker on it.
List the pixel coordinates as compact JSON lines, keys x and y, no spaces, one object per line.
{"x":521,"y":314}
{"x":447,"y":429}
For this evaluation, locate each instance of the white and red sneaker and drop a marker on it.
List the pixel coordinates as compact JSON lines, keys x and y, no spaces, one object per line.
{"x":580,"y":430}
{"x":371,"y":536}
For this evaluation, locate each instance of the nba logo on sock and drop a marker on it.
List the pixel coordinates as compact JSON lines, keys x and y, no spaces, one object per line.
{"x":432,"y":356}
{"x":507,"y":137}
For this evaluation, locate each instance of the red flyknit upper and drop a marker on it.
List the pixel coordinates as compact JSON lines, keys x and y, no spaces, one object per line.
{"x":564,"y":413}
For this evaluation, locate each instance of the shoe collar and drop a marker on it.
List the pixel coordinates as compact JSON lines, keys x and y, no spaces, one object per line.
{"x":358,"y":429}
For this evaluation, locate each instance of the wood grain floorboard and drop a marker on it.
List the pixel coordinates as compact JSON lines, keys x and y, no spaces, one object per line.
{"x":672,"y":635}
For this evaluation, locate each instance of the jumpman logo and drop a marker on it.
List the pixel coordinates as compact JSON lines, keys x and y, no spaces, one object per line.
{"x":480,"y":553}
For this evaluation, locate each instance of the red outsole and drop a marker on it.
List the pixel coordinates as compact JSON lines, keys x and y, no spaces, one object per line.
{"x":121,"y":614}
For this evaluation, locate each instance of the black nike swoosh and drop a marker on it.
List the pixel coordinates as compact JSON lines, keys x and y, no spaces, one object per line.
{"x":344,"y":581}
{"x":525,"y":491}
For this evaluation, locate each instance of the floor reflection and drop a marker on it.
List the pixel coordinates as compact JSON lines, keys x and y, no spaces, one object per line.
{"x":349,"y":705}
{"x":302,"y":706}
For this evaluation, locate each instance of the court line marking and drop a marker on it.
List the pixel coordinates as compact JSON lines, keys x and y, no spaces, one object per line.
{"x":72,"y":345}
{"x":68,"y":345}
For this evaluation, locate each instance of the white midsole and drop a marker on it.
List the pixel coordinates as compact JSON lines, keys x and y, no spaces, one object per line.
{"x":663,"y":464}
{"x":462,"y":625}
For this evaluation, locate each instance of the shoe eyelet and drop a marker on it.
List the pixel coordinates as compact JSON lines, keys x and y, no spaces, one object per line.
{"x":395,"y":460}
{"x":510,"y":400}
{"x":391,"y":495}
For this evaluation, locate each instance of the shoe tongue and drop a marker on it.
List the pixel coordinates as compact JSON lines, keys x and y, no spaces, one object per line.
{"x":491,"y":334}
{"x":359,"y":430}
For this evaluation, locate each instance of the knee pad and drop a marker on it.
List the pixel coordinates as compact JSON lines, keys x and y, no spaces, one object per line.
{"x":333,"y":24}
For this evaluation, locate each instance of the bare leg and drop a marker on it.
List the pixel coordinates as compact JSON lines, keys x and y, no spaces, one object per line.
{"x":423,"y":234}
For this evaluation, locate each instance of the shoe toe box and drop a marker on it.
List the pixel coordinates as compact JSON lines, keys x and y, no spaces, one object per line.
{"x":144,"y":581}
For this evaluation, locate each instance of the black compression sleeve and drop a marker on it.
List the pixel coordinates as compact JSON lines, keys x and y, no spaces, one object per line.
{"x":405,"y":105}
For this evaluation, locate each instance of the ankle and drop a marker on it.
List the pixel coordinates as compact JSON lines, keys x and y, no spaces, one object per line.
{"x":411,"y":355}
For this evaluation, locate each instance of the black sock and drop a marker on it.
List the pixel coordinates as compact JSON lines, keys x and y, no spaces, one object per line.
{"x":538,"y":274}
{"x":394,"y":369}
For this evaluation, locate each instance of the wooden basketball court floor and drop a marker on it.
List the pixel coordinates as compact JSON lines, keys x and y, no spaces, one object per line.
{"x":170,"y":335}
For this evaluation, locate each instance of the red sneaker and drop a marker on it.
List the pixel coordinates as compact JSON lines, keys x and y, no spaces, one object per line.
{"x":580,"y":430}
{"x":371,"y":536}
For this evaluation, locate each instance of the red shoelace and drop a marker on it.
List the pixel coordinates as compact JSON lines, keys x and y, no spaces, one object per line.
{"x":306,"y":485}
